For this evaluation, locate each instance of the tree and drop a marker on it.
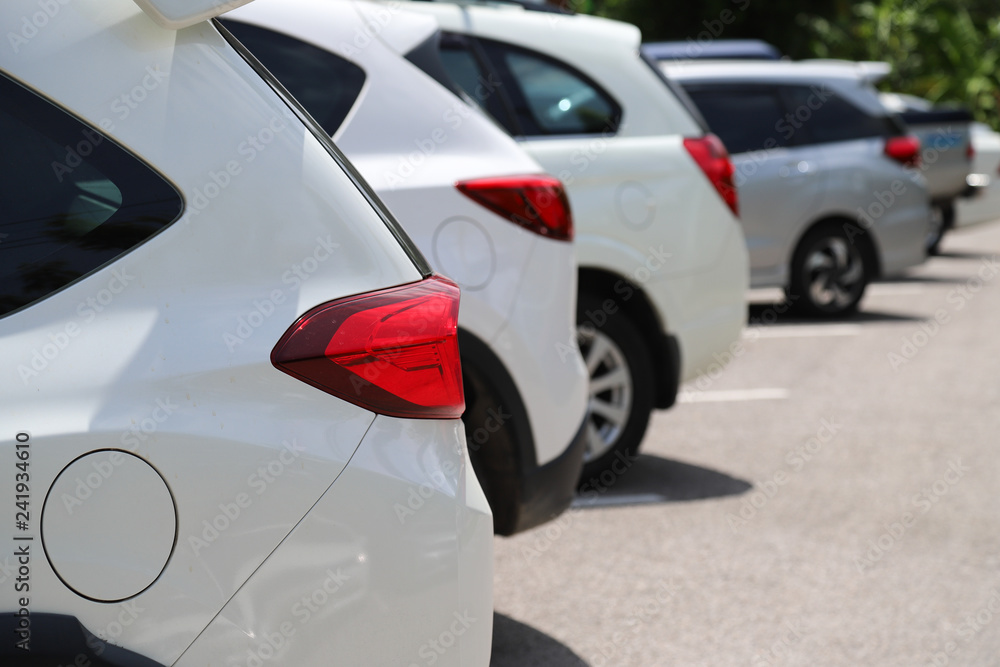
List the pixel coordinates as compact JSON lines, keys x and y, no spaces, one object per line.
{"x":946,"y":51}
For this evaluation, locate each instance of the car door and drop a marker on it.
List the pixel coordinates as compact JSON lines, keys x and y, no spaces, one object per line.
{"x":780,"y":176}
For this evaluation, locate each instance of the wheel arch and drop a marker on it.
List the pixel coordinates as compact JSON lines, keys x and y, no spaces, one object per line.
{"x":634,"y":301}
{"x":503,"y":458}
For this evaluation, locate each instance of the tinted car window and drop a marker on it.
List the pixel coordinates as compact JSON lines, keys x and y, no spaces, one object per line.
{"x":469,"y":73}
{"x":829,"y":117}
{"x":745,"y":119}
{"x":556,"y":100}
{"x":70,"y":199}
{"x":325,"y":84}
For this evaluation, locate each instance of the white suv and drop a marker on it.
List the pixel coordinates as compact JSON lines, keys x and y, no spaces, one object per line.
{"x":662,"y":259}
{"x":828,"y":194}
{"x":230,"y":394}
{"x":478,"y":207}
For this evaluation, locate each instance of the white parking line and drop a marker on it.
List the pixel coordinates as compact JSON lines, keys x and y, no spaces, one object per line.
{"x":804,"y":331}
{"x":613,"y":501}
{"x":895,"y":289}
{"x":688,"y":396}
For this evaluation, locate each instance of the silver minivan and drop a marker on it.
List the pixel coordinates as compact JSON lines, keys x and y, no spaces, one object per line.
{"x":830,"y":197}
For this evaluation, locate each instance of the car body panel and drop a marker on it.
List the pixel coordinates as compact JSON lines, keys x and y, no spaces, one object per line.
{"x":164,"y":353}
{"x":984,"y":203}
{"x":351,"y":590}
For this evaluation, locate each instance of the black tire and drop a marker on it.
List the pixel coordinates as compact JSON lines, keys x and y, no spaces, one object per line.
{"x":829,"y":272}
{"x":943,"y":220}
{"x":619,"y":412}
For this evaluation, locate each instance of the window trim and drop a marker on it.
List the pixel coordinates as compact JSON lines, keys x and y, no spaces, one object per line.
{"x":502,"y":110}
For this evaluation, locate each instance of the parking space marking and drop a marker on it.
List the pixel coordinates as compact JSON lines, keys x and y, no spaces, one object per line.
{"x":723,"y":396}
{"x":608,"y":500}
{"x":805,"y":331}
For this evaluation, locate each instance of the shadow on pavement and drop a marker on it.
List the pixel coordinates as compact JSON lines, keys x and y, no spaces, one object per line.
{"x":653,"y":479}
{"x":931,"y":280}
{"x":959,"y":254}
{"x":768,"y":314}
{"x":518,"y":645}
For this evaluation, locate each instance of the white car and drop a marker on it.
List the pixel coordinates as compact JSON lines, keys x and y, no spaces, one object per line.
{"x":829,"y":194}
{"x":983,"y":203}
{"x":662,"y":258}
{"x":230,"y":389}
{"x":479,"y":208}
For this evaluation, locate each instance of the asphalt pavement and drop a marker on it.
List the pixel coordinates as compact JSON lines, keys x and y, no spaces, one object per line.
{"x":828,"y":498}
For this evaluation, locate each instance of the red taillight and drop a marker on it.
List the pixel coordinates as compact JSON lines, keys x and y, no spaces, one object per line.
{"x":970,"y":151}
{"x":904,"y":150}
{"x":713,"y":158}
{"x":537,"y":202}
{"x":394,"y":352}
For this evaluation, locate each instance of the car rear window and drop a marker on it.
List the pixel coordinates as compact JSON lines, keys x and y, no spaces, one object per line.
{"x":746,"y":119}
{"x":828,"y":117}
{"x":324,"y":83}
{"x":71,"y":200}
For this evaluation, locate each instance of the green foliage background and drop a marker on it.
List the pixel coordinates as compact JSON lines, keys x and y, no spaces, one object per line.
{"x":947,"y":51}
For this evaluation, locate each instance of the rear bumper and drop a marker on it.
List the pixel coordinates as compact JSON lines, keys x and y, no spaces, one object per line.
{"x":901,"y":235}
{"x":548,"y":491}
{"x":706,"y":311}
{"x":402,"y":543}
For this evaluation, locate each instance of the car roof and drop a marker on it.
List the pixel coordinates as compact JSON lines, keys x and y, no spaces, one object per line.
{"x":776,"y":70}
{"x":531,"y":27}
{"x":721,"y":49}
